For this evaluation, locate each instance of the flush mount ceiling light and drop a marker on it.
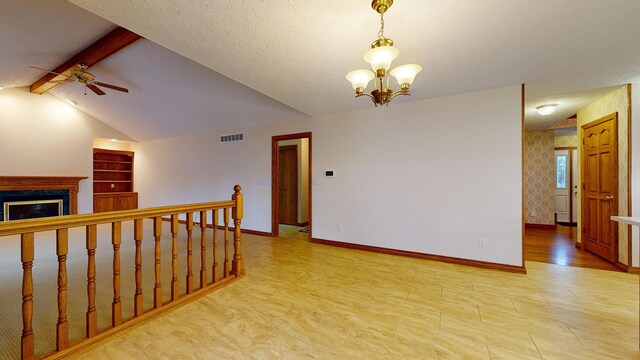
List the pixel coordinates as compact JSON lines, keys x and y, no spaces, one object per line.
{"x":547,"y":109}
{"x":380,"y":56}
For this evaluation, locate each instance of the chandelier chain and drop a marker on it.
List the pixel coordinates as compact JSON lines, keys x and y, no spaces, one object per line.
{"x":381,"y":32}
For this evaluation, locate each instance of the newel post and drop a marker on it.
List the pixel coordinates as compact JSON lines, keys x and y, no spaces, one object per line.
{"x":237,"y":264}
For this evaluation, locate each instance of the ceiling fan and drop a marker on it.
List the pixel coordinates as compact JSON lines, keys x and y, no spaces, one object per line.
{"x":81,"y":75}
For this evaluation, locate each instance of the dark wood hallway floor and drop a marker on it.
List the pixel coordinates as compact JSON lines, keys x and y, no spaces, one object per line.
{"x":557,"y":246}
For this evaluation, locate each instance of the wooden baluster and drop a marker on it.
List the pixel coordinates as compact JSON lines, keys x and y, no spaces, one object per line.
{"x":237,"y":211}
{"x":203,"y":249}
{"x":157,"y":289}
{"x":116,"y":306}
{"x":137,"y":299}
{"x":174,"y":258}
{"x":189,"y":253}
{"x":92,"y":315}
{"x":62,"y":328}
{"x":226,"y":243}
{"x":26,"y":255}
{"x":214,"y":269}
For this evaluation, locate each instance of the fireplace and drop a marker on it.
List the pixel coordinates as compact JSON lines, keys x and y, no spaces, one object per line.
{"x":19,"y":210}
{"x":23,"y":197}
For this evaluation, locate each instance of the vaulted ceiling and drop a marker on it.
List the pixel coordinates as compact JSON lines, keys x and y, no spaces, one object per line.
{"x":256,"y":61}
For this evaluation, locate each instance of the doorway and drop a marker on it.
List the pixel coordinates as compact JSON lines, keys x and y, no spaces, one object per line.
{"x":566,"y":186}
{"x":291,"y":186}
{"x":600,"y":187}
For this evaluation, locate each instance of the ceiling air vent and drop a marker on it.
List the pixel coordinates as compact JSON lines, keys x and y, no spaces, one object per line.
{"x":231,"y":138}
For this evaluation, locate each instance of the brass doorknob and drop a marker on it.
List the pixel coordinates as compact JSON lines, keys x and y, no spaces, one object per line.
{"x":609,"y":197}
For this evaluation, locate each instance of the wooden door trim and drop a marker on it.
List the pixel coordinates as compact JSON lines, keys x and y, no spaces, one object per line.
{"x":274,"y":178}
{"x":295,"y":149}
{"x":522,"y":168}
{"x":629,"y":172}
{"x":611,"y":117}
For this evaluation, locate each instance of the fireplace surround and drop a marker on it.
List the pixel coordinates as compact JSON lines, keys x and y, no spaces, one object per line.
{"x":33,"y":188}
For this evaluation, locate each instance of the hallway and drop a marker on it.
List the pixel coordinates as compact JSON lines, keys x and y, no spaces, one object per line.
{"x":557,"y":246}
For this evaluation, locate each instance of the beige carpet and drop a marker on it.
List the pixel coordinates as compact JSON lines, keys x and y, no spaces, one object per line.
{"x":45,"y":280}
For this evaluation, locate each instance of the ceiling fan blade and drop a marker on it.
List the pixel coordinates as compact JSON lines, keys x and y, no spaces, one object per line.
{"x":95,"y":89}
{"x":112,"y":87}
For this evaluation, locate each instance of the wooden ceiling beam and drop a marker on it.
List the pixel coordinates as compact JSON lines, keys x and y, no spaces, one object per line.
{"x":94,"y":53}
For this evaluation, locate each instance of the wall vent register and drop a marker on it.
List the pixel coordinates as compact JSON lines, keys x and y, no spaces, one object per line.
{"x":231,"y":138}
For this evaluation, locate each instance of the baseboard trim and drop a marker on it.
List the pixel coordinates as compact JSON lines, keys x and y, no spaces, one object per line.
{"x":622,"y":266}
{"x":634,"y":270}
{"x":539,"y":226}
{"x":302,"y":224}
{"x":221,"y":227}
{"x":244,"y":231}
{"x":579,"y":246}
{"x":423,"y":256}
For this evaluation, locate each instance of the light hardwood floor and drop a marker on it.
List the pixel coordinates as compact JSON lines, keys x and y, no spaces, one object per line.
{"x":557,"y":246}
{"x":308,"y":301}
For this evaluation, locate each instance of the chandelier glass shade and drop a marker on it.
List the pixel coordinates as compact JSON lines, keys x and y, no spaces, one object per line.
{"x":380,"y":57}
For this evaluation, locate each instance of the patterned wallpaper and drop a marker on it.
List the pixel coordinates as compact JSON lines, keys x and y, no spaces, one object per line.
{"x":617,"y":101}
{"x":539,"y":170}
{"x":566,"y":140}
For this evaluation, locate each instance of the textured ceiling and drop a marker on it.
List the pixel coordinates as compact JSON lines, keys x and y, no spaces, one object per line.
{"x":299,"y":51}
{"x":42,"y":34}
{"x":170,"y":95}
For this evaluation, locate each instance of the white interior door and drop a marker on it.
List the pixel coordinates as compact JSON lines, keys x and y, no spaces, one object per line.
{"x":574,"y":182}
{"x":562,"y":186}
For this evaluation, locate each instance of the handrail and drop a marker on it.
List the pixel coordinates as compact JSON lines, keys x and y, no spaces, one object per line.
{"x":16,"y":227}
{"x":221,"y":274}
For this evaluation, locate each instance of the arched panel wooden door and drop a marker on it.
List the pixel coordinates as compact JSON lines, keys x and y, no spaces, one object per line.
{"x":600,"y":187}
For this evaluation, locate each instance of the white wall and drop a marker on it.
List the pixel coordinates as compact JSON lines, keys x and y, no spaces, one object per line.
{"x":41,"y":135}
{"x":428,"y":176}
{"x":635,"y":170}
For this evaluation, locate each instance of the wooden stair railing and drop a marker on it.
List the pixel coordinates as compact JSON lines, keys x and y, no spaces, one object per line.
{"x":28,"y":228}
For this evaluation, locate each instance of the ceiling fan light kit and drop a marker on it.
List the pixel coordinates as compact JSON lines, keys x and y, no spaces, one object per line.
{"x":380,"y":57}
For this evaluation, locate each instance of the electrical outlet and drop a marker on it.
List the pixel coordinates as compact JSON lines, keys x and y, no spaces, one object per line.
{"x":482,"y":242}
{"x":339,"y":227}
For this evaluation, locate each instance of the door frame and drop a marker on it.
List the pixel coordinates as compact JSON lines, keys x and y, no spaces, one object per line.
{"x":274,"y":178}
{"x":611,"y":117}
{"x":571,"y":170}
{"x":294,"y":148}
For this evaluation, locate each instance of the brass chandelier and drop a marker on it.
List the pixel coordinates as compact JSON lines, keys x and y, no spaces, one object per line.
{"x":380,"y":57}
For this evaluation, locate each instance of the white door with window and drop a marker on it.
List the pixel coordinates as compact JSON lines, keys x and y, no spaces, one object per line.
{"x":563,"y":190}
{"x":574,"y":185}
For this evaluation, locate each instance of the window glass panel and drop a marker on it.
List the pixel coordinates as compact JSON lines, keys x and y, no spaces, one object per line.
{"x":561,"y":171}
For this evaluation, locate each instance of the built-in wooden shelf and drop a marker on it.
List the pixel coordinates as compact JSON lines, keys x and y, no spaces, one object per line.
{"x":113,"y":180}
